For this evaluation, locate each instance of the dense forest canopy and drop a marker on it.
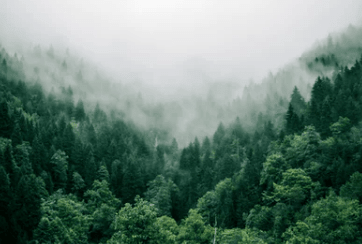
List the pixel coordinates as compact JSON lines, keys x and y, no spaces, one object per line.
{"x":281,"y":163}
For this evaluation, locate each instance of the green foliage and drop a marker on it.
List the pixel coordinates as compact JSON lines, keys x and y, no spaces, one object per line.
{"x":298,"y":102}
{"x":90,"y":169}
{"x":60,"y":167}
{"x":63,"y":220}
{"x":272,"y":170}
{"x":260,"y":217}
{"x":100,"y":194}
{"x":159,"y":193}
{"x":294,"y":188}
{"x":102,"y":173}
{"x":340,"y":127}
{"x":332,"y":220}
{"x":240,"y":236}
{"x":5,"y":125}
{"x":132,"y":180}
{"x":219,"y":134}
{"x":242,"y":178}
{"x":79,"y":113}
{"x":136,"y":224}
{"x":195,"y":230}
{"x":292,"y":120}
{"x":353,"y":188}
{"x":218,"y":205}
{"x":16,"y":136}
{"x":168,"y":230}
{"x":102,"y":205}
{"x":302,"y":149}
{"x":78,"y":183}
{"x":26,"y":206}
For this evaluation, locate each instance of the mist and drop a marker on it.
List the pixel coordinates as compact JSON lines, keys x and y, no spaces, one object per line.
{"x":157,"y":41}
{"x":189,"y":61}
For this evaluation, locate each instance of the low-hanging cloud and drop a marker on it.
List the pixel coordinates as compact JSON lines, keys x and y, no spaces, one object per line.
{"x":151,"y":38}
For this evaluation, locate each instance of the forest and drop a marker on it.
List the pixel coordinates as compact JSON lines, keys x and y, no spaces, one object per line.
{"x":282,"y":165}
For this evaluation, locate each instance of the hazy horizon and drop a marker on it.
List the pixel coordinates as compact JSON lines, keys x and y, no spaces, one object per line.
{"x":162,"y":42}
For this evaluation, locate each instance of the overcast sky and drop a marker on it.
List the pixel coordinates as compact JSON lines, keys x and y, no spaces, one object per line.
{"x":232,"y":38}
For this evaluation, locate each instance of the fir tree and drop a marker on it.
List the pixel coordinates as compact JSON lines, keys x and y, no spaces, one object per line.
{"x":79,"y":113}
{"x":16,"y":137}
{"x":5,"y":125}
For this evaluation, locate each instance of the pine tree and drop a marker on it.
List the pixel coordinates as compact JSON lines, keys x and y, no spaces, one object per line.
{"x":38,"y":156}
{"x":5,"y":198}
{"x":207,"y":170}
{"x":185,"y":159}
{"x":298,"y":102}
{"x":174,"y":150}
{"x":196,"y":162}
{"x":16,"y":137}
{"x":292,"y":121}
{"x":90,"y":169}
{"x":59,"y":169}
{"x":206,"y":145}
{"x":102,"y":173}
{"x":79,"y":113}
{"x":78,"y":184}
{"x":8,"y":159}
{"x":132,"y":181}
{"x":325,"y":119}
{"x":5,"y":194}
{"x":77,"y":158}
{"x":28,"y":194}
{"x":116,"y":177}
{"x":4,"y":66}
{"x":68,"y":139}
{"x":99,"y":116}
{"x":5,"y":125}
{"x":219,"y":134}
{"x":321,"y":89}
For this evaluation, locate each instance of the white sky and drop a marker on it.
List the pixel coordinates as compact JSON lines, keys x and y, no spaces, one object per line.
{"x":243,"y":39}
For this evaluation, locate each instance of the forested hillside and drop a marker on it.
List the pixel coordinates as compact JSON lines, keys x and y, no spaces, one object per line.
{"x":284,"y":164}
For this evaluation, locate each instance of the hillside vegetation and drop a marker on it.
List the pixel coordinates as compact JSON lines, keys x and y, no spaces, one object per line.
{"x":86,"y":160}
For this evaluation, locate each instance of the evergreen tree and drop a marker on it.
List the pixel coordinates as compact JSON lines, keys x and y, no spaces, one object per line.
{"x":297,"y":101}
{"x":132,"y":181}
{"x":208,"y":174}
{"x":292,"y":121}
{"x":159,"y":193}
{"x":38,"y":156}
{"x":79,"y":113}
{"x":5,"y":125}
{"x":16,"y":137}
{"x":195,"y":156}
{"x":68,"y":139}
{"x":206,"y":145}
{"x":102,"y":173}
{"x":116,"y":177}
{"x":5,"y":198}
{"x":219,"y":134}
{"x":325,"y":119}
{"x":159,"y":161}
{"x":321,"y":89}
{"x":26,"y":206}
{"x":78,"y":184}
{"x":59,"y":169}
{"x":90,"y":169}
{"x":174,"y":150}
{"x":99,"y":116}
{"x":8,"y":159}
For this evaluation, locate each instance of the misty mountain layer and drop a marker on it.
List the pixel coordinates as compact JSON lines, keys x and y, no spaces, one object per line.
{"x":86,"y":158}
